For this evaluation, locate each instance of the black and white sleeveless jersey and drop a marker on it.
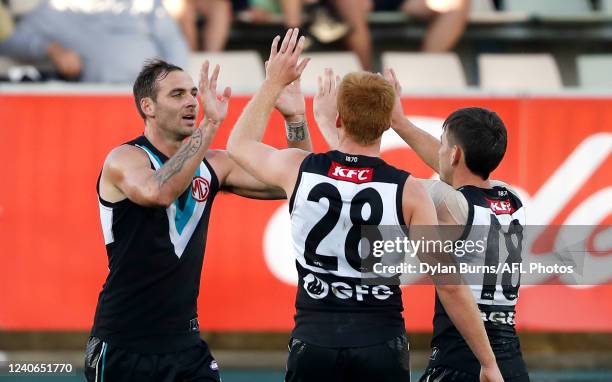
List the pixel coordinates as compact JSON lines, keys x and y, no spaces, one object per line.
{"x":497,"y":216}
{"x":148,"y":302}
{"x":335,"y":195}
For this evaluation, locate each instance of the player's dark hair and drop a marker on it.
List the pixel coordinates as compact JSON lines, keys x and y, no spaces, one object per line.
{"x":146,"y":83}
{"x":482,"y":136}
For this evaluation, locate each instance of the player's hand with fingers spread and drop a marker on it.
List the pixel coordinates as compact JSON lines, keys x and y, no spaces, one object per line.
{"x":283,"y":67}
{"x":398,"y":110}
{"x":215,"y":107}
{"x":490,"y":374}
{"x":325,"y":102}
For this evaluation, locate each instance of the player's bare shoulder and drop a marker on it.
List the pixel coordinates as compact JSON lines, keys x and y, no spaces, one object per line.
{"x":414,"y":191}
{"x":437,"y":190}
{"x":118,"y":162}
{"x":414,"y":196}
{"x":122,"y":158}
{"x":451,"y":205}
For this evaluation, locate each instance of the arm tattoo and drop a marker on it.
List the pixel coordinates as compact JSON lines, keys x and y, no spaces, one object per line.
{"x":296,"y":131}
{"x":175,"y":164}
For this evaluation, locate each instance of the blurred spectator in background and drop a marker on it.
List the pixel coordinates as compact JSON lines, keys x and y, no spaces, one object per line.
{"x":97,"y":40}
{"x":6,"y":23}
{"x":355,"y":13}
{"x":18,"y":8}
{"x":217,"y":15}
{"x":289,"y":12}
{"x":447,"y":19}
{"x":329,"y":20}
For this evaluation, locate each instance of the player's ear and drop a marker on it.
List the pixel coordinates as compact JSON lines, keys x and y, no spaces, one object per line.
{"x":148,"y":106}
{"x":338,"y":121}
{"x":456,"y":155}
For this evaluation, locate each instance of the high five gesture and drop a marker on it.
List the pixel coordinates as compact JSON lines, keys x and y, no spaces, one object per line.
{"x":283,"y":67}
{"x":269,"y":165}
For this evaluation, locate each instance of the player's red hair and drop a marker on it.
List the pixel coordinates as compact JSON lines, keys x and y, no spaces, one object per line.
{"x":365,"y":103}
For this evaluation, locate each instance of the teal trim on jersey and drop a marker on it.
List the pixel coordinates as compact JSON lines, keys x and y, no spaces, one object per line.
{"x":182,"y":216}
{"x":159,"y":162}
{"x":104,"y":347}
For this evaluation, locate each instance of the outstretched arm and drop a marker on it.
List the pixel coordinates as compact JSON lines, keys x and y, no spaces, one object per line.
{"x":127,"y":171}
{"x":424,"y":144}
{"x":292,"y":105}
{"x":234,"y":179}
{"x":271,"y":166}
{"x":420,"y":215}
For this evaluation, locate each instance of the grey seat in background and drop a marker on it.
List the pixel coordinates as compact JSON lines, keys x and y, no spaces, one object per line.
{"x":20,"y":71}
{"x":426,"y":71}
{"x":595,"y":71}
{"x":243,"y":71}
{"x":606,"y":6}
{"x":482,"y":6}
{"x":484,"y":12}
{"x":548,"y":7}
{"x":5,"y":64}
{"x":519,"y":72}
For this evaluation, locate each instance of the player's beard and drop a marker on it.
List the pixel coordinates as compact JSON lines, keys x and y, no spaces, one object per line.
{"x":175,"y":127}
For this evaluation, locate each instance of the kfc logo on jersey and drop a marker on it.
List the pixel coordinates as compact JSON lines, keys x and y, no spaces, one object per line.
{"x":350,"y":174}
{"x":501,"y":207}
{"x":200,"y":188}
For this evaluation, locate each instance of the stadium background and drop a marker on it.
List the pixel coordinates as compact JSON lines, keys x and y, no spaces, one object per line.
{"x":54,"y":137}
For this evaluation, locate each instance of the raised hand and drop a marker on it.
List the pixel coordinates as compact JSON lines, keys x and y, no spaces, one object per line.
{"x":325,"y":103}
{"x":398,"y":110}
{"x":215,"y":107}
{"x":283,"y":67}
{"x":291,"y":102}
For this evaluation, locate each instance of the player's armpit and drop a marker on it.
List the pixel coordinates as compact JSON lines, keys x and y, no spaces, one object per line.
{"x":237,"y":180}
{"x":127,"y":173}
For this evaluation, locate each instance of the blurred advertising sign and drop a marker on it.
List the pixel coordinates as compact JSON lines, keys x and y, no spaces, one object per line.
{"x":51,"y":245}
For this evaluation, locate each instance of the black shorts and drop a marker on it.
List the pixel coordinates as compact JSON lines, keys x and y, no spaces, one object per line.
{"x":104,"y":362}
{"x":452,"y":360}
{"x":448,"y":374}
{"x":386,"y":362}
